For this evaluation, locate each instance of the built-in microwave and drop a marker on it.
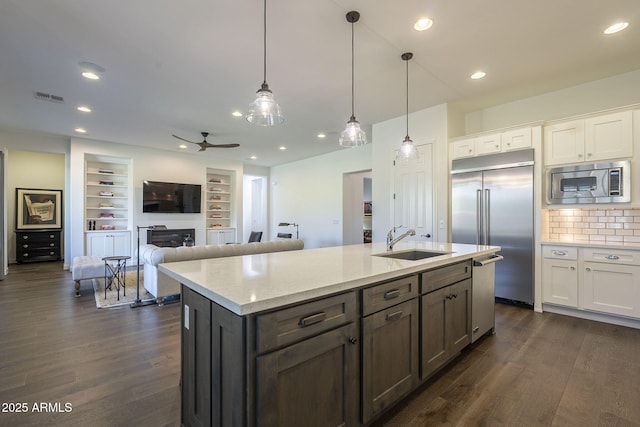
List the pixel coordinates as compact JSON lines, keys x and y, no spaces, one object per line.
{"x":592,"y":183}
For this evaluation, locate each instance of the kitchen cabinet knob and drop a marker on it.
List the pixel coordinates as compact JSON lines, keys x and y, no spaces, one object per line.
{"x":353,"y":340}
{"x":588,"y":268}
{"x":572,"y":268}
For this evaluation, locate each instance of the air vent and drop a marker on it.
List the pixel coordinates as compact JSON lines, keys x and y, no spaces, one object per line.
{"x":43,"y":96}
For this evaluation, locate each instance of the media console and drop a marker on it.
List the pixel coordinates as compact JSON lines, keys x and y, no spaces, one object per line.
{"x":171,"y":238}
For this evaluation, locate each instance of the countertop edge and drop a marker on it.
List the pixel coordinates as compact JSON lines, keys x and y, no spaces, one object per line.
{"x":412,"y":267}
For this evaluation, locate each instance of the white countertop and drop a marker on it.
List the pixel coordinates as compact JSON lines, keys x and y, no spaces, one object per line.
{"x":252,"y":283}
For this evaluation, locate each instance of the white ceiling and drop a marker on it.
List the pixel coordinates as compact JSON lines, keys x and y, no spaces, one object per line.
{"x":181,"y":67}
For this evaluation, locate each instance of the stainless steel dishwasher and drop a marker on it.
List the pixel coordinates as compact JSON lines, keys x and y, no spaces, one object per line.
{"x":483,"y":295}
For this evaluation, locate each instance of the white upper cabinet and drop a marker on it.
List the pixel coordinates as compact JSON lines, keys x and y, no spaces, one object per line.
{"x":589,"y":140}
{"x":462,"y":148}
{"x":487,"y":144}
{"x":516,"y":139}
{"x":608,"y":137}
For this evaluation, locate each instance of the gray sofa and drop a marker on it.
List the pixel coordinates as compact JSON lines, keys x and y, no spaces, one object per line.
{"x":161,"y":286}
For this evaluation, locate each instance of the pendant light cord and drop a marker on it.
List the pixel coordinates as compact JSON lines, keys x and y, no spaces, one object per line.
{"x":352,"y":75}
{"x":264,"y":38}
{"x":407,"y":61}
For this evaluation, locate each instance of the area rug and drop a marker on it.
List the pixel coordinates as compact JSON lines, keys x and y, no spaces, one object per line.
{"x":111,"y":301}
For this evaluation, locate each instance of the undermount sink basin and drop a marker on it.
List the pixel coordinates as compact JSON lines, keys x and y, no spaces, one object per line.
{"x":411,"y":255}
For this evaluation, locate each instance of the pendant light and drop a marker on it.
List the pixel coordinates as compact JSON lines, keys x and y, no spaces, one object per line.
{"x":264,"y":111}
{"x":407,"y":149}
{"x":352,"y":136}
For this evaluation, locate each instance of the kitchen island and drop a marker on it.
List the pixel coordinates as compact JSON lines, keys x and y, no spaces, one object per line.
{"x":330,"y":336}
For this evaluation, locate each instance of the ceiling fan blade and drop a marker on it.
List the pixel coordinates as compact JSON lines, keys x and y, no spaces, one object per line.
{"x":224,"y":145}
{"x":185,"y":140}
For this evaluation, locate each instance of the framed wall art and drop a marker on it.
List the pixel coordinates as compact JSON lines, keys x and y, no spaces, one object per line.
{"x":38,"y":209}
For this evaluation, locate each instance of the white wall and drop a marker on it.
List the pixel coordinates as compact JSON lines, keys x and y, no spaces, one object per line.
{"x":612,"y":92}
{"x":428,"y":125}
{"x":149,"y":164}
{"x":309,"y":193}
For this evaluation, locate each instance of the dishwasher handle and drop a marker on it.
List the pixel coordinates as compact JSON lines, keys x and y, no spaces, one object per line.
{"x":487,"y":261}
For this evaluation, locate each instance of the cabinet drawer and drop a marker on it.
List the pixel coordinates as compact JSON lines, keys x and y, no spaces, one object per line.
{"x":443,"y":276}
{"x":611,"y":256}
{"x":385,"y":295}
{"x":560,"y":252}
{"x":293,"y":324}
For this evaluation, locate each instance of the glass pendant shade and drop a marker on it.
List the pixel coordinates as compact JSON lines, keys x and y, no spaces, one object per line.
{"x":264,"y":110}
{"x":353,"y":136}
{"x":407,"y":149}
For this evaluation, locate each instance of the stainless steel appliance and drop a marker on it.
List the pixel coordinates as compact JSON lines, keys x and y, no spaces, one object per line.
{"x":592,"y":183}
{"x":483,"y":319}
{"x":492,"y":204}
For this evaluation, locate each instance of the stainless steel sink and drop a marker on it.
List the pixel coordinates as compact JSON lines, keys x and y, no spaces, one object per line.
{"x":411,"y":255}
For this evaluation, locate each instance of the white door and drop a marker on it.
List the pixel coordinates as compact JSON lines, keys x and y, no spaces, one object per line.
{"x":413,"y":194}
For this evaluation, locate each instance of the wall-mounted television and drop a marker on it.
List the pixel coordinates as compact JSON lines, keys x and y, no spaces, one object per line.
{"x":171,"y":197}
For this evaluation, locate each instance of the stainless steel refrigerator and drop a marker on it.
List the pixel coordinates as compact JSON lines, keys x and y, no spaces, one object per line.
{"x":492,"y":204}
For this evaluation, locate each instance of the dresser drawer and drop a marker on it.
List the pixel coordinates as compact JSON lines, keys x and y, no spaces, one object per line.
{"x":283,"y":327}
{"x":386,"y":294}
{"x":443,"y":276}
{"x":560,"y":252}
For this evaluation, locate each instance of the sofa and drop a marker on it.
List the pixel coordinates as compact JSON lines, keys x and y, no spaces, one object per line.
{"x":162,"y":286}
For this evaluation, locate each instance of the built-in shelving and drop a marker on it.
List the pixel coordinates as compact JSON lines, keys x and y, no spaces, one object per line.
{"x":107,"y":206}
{"x":219,"y":205}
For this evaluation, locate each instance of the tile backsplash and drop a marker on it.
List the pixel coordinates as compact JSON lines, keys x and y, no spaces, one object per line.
{"x":593,"y":225}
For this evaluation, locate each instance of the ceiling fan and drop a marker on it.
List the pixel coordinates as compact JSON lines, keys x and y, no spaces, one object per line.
{"x":204,"y":144}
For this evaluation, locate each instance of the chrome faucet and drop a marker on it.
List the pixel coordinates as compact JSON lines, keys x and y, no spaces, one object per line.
{"x":391,"y":241}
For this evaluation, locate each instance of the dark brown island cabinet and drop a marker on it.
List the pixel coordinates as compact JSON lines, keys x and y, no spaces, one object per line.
{"x":341,"y":360}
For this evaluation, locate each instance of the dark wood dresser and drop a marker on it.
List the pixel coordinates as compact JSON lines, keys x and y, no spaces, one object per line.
{"x":38,"y":245}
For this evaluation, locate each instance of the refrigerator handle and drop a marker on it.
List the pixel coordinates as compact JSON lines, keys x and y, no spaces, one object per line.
{"x":487,"y":210}
{"x":479,"y":217}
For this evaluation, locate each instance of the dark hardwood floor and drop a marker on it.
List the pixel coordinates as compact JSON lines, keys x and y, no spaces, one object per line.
{"x":121,"y":367}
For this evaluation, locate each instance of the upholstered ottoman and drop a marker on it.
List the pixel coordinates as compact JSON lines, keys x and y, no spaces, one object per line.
{"x":86,"y":267}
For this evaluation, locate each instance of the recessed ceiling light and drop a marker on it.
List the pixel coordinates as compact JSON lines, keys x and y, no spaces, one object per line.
{"x":423,"y":24}
{"x":90,"y":70}
{"x":84,"y":109}
{"x":478,"y":75}
{"x":237,"y":114}
{"x":282,"y":148}
{"x":322,"y":135}
{"x":618,"y":26}
{"x":80,"y":130}
{"x":253,"y":157}
{"x":183,"y":146}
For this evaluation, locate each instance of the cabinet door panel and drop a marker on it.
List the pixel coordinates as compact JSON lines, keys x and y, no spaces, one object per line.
{"x":560,"y":282}
{"x":390,"y":356}
{"x":564,"y":143}
{"x":487,"y":144}
{"x":312,"y":383}
{"x":611,"y":288}
{"x":609,"y":136}
{"x":516,"y":139}
{"x":462,"y":148}
{"x":434,"y":340}
{"x":459,"y":316}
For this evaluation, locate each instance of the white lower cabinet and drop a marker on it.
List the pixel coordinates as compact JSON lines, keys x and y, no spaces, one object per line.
{"x":592,"y":279}
{"x":560,"y":276}
{"x":102,"y":243}
{"x":221,"y":236}
{"x":611,"y":281}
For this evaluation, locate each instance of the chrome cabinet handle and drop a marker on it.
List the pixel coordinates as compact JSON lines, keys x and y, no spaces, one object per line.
{"x":612,"y":257}
{"x":560,"y":253}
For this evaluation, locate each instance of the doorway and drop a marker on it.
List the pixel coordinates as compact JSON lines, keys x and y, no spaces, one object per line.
{"x":254,"y":206}
{"x":357,"y":209}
